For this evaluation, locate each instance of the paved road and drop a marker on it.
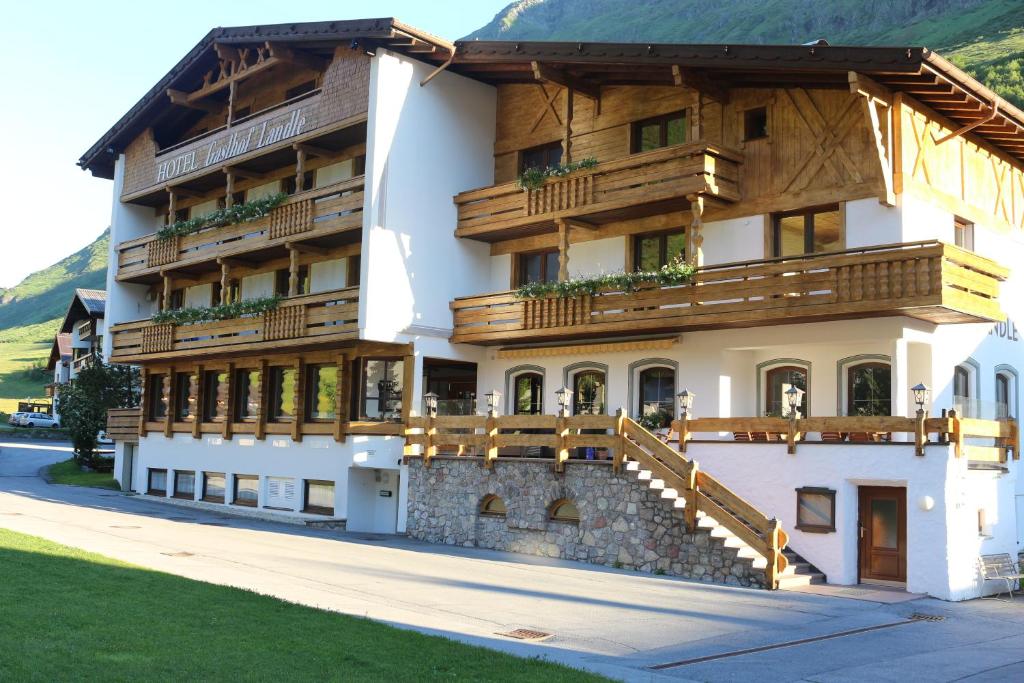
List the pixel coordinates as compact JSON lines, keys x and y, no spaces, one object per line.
{"x":615,"y":622}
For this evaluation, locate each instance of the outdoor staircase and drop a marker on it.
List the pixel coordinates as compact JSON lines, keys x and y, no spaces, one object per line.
{"x":710,"y":506}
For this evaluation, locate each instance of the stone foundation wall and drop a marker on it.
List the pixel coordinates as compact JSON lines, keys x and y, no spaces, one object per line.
{"x":623,"y":523}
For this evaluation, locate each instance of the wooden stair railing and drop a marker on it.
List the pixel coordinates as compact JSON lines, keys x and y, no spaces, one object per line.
{"x":704,"y":493}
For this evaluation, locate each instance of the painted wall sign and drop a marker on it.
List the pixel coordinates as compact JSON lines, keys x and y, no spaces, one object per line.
{"x":1006,"y":330}
{"x":237,"y":142}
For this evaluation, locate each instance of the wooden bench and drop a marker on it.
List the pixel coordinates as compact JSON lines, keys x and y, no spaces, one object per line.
{"x":1001,"y":567}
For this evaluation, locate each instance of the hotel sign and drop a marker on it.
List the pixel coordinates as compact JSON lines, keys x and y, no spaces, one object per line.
{"x":233,"y":143}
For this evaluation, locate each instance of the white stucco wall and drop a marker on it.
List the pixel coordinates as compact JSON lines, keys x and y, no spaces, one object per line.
{"x":736,"y":239}
{"x":870,"y":223}
{"x":597,"y":256}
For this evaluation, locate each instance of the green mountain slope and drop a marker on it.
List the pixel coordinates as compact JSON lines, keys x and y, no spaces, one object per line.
{"x":986,"y":37}
{"x":32,"y":311}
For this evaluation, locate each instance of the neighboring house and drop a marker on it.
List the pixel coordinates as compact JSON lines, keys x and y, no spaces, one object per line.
{"x":59,"y":363}
{"x":852,"y":215}
{"x":79,"y":340}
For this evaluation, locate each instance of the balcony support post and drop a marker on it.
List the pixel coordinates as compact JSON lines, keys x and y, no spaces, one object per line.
{"x":229,"y":191}
{"x":229,"y":402}
{"x":342,"y":399}
{"x":567,"y":135}
{"x":197,"y":418}
{"x":225,"y":282}
{"x":261,"y":418}
{"x":695,"y":238}
{"x":168,"y":284}
{"x":143,"y":401}
{"x":408,"y":380}
{"x":172,"y":401}
{"x":300,"y":167}
{"x":563,"y":250}
{"x":172,"y":205}
{"x":298,"y":396}
{"x":293,"y":271}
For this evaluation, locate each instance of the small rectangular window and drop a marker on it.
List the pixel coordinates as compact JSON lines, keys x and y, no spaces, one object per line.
{"x":156,"y":398}
{"x":541,"y":156}
{"x":184,"y":396}
{"x":319,"y":497}
{"x":660,"y":131}
{"x":247,"y":395}
{"x":156,"y":484}
{"x":816,"y":510}
{"x":184,"y":484}
{"x":247,"y":490}
{"x":215,"y":389}
{"x":963,"y":234}
{"x":321,"y":392}
{"x":541,"y":266}
{"x":755,"y":123}
{"x":809,"y":231}
{"x":282,"y":393}
{"x":213,"y":487}
{"x":652,"y":252}
{"x":382,"y":389}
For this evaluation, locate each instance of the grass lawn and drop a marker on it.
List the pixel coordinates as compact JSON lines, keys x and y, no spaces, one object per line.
{"x":17,"y":380}
{"x":68,"y":614}
{"x":68,"y":472}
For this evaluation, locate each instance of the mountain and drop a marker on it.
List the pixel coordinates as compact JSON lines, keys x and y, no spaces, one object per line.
{"x":985,"y":37}
{"x":32,"y":311}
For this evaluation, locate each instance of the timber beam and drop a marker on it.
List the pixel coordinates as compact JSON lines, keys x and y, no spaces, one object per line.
{"x":549,"y":74}
{"x":240,"y":173}
{"x":700,"y":83}
{"x":298,"y":57}
{"x":181,"y":98}
{"x":306,"y":248}
{"x":313,"y":150}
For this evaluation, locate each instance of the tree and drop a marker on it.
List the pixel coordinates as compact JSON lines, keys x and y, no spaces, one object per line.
{"x":83,"y":403}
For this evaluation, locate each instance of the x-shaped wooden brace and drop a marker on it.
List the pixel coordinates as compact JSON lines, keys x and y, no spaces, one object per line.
{"x":999,"y":173}
{"x":922,"y":137}
{"x":829,"y":135}
{"x":549,"y":105}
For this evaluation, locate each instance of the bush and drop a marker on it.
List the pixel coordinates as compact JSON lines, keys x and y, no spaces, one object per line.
{"x":84,"y":401}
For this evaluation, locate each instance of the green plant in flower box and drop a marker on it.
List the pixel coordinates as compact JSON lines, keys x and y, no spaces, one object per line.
{"x":235,"y":309}
{"x":237,"y":213}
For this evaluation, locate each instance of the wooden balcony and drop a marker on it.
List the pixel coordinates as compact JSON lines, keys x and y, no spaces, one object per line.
{"x":323,"y":215}
{"x":930,"y":281}
{"x":639,"y":185}
{"x":123,"y":424}
{"x":302,"y":321}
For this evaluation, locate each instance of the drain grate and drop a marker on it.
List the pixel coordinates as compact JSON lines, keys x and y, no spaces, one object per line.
{"x":917,"y":616}
{"x":124,"y":526}
{"x":180,"y":553}
{"x":526,"y":634}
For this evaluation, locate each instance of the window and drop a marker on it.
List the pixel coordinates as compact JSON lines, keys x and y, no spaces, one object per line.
{"x":657,"y":394}
{"x":528,"y":394}
{"x":382,"y":389}
{"x":493,"y":506}
{"x":869,"y":389}
{"x":184,"y":484}
{"x":564,"y":510}
{"x":319,"y":497}
{"x":660,"y":131}
{"x":807,"y":232}
{"x":282,"y":393}
{"x":651,"y":252}
{"x":755,"y":123}
{"x":177,"y":299}
{"x":777,"y":382}
{"x":215,"y":387}
{"x":157,"y":482}
{"x":156,"y":397}
{"x":541,"y":266}
{"x":540,"y":157}
{"x":321,"y":392}
{"x":962,"y":391}
{"x":1003,"y":395}
{"x":246,"y":490}
{"x":184,"y":396}
{"x":247,"y":395}
{"x":282,"y":281}
{"x":963,"y":234}
{"x":816,"y":510}
{"x":588,"y":390}
{"x":300,"y":89}
{"x":352,"y":272}
{"x":213,"y":487}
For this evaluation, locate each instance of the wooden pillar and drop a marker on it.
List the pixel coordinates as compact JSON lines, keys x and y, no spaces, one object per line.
{"x":920,"y":435}
{"x":771,"y":570}
{"x":261,"y":419}
{"x":143,"y":400}
{"x":620,"y":445}
{"x":562,"y":451}
{"x":172,"y":399}
{"x":229,"y":402}
{"x":690,"y":511}
{"x":408,"y":380}
{"x":293,"y":271}
{"x":563,"y":250}
{"x":694,"y":236}
{"x":225,"y":282}
{"x":197,"y":419}
{"x":232,"y":92}
{"x":341,"y":398}
{"x":300,"y":167}
{"x":490,"y":431}
{"x":567,"y":134}
{"x":229,"y":197}
{"x":172,"y":206}
{"x":299,"y":395}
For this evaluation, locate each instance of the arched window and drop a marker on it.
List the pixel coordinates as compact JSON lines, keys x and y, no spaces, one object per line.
{"x":528,"y":394}
{"x":869,"y":389}
{"x":493,"y":506}
{"x":657,"y":393}
{"x":588,"y":391}
{"x":778,"y":381}
{"x":563,"y":510}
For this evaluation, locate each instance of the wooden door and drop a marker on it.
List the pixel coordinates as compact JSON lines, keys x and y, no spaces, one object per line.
{"x":882,"y":526}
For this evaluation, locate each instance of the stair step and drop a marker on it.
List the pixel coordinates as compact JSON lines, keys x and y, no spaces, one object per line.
{"x":798,"y":580}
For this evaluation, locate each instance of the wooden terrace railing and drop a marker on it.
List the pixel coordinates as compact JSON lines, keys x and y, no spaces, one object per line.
{"x":314,"y":213}
{"x":932,"y":281}
{"x":671,"y":173}
{"x":487,"y":436}
{"x":123,"y":424}
{"x":324,"y":317}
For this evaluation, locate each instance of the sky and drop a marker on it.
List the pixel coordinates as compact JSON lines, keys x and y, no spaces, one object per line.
{"x":71,"y":69}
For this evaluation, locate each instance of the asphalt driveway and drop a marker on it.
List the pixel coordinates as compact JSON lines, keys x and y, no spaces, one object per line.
{"x":620,"y":623}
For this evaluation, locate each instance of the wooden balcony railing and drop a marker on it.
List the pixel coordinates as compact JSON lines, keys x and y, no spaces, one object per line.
{"x":315,"y":213}
{"x":123,"y":424}
{"x":493,"y":437}
{"x":650,"y":179}
{"x":927,"y":280}
{"x":298,"y":321}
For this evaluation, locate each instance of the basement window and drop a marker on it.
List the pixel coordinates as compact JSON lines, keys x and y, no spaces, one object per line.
{"x":816,"y":510}
{"x":493,"y":506}
{"x":564,"y":510}
{"x":213,"y":487}
{"x":184,"y":484}
{"x":319,"y":497}
{"x":246,"y":490}
{"x":156,"y":484}
{"x":755,"y":124}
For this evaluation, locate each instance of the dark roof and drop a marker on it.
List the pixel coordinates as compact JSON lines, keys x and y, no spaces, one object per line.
{"x":60,"y":350}
{"x":87,"y":303}
{"x":914,"y":70}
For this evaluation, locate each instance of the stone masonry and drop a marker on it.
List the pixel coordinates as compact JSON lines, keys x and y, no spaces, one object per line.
{"x":623,"y":523}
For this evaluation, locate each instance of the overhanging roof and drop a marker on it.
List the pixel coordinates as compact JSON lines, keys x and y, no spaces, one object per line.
{"x":917,"y":71}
